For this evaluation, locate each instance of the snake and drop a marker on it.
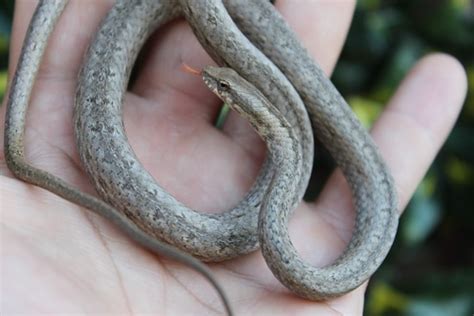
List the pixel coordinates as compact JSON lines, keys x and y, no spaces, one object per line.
{"x":277,"y":190}
{"x":354,"y":151}
{"x":119,"y":177}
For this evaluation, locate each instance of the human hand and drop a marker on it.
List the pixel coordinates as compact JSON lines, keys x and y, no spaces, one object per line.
{"x":59,"y":258}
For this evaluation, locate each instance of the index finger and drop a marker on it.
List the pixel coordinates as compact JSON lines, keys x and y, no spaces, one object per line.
{"x":321,"y":26}
{"x":69,"y":39}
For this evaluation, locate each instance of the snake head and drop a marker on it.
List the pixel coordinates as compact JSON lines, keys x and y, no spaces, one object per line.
{"x":228,"y":86}
{"x":218,"y":79}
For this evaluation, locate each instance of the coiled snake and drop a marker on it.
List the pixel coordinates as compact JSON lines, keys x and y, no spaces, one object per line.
{"x":139,"y":206}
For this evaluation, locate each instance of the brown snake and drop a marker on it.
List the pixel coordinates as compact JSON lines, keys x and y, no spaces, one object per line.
{"x":150,"y":214}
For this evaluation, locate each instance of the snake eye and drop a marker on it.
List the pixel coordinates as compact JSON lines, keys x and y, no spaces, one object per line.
{"x":223,"y":84}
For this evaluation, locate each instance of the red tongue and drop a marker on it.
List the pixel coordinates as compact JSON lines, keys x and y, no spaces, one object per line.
{"x":185,"y":67}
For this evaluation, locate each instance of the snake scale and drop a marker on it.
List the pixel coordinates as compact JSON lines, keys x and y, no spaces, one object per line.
{"x":284,"y":92}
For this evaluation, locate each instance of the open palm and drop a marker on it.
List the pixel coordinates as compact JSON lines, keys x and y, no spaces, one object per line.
{"x":59,"y":258}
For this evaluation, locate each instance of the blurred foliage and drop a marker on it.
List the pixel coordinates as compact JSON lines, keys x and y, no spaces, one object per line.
{"x":6,"y":10}
{"x":430,"y":270}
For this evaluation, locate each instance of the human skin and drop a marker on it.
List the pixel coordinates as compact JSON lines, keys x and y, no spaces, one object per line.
{"x":58,"y":258}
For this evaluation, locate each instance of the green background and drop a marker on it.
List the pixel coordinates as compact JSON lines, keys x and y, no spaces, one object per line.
{"x":430,"y":270}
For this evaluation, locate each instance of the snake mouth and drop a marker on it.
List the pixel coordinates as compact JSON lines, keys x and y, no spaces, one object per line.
{"x":210,"y":83}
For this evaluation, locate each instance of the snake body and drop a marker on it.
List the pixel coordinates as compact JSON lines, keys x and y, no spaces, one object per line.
{"x":39,"y":30}
{"x":334,"y":123}
{"x":150,"y":214}
{"x":113,"y":167}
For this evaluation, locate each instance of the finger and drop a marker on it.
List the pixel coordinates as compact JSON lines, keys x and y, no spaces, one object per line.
{"x":69,"y":39}
{"x":21,"y":17}
{"x":423,"y":112}
{"x":321,"y":26}
{"x":409,"y":133}
{"x":52,"y":96}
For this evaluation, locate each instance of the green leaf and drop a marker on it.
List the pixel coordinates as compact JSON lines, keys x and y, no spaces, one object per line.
{"x":221,"y":118}
{"x":3,"y":84}
{"x":458,"y":171}
{"x":366,"y":110}
{"x":385,"y":298}
{"x":469,"y":104}
{"x":368,"y":4}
